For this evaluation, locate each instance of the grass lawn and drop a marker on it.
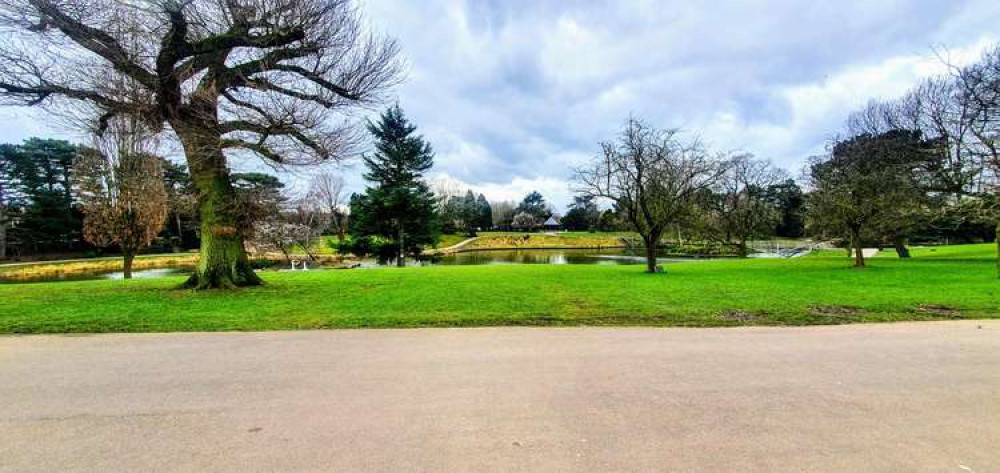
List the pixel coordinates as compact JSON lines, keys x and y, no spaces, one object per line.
{"x":939,"y":283}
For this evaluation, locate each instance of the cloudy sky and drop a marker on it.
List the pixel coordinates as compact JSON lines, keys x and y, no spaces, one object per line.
{"x":513,"y":93}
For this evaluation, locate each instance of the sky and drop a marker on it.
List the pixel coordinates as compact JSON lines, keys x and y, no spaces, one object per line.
{"x":513,"y":94}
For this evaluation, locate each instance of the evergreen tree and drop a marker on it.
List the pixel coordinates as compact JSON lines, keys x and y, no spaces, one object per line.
{"x":43,"y":170}
{"x":583,"y":214}
{"x":10,"y":202}
{"x":398,"y":207}
{"x":790,"y":201}
{"x":485,"y":213}
{"x":534,"y":204}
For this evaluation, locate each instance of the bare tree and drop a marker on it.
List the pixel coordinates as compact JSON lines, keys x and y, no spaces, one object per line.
{"x":258,"y":77}
{"x":310,"y":219}
{"x":327,"y":191}
{"x":524,"y":221}
{"x":741,"y":204}
{"x":120,"y":184}
{"x":502,"y":213}
{"x":652,"y":177}
{"x":979,"y":86}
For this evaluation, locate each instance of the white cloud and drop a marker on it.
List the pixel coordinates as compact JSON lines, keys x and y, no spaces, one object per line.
{"x":512,"y":94}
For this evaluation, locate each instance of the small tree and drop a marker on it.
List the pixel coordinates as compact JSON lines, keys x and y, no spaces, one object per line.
{"x":120,"y":184}
{"x":741,"y":204}
{"x":652,"y":177}
{"x":865,"y":185}
{"x":311,"y":219}
{"x":277,"y":234}
{"x":327,"y":191}
{"x":525,"y":221}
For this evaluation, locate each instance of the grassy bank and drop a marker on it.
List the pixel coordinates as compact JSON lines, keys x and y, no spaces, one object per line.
{"x":20,"y":271}
{"x":514,"y":240}
{"x":936,"y":284}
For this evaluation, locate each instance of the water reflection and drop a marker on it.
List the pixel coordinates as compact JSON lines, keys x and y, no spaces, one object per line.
{"x":605,"y":257}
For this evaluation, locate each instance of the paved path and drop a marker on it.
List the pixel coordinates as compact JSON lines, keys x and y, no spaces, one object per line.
{"x":880,"y":398}
{"x":452,"y":248}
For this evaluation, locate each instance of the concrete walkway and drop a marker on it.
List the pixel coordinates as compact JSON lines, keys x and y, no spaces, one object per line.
{"x":451,"y":249}
{"x":894,"y":397}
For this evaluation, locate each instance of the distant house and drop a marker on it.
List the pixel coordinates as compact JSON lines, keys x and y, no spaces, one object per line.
{"x":552,"y":223}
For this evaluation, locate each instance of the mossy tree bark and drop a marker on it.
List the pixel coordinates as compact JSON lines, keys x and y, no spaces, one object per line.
{"x":223,"y":262}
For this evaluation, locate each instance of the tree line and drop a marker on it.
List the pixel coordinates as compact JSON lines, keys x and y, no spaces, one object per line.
{"x":229,"y":81}
{"x":924,"y":165}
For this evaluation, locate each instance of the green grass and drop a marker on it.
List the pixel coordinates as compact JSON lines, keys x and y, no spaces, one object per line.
{"x":450,"y":240}
{"x":941,"y":284}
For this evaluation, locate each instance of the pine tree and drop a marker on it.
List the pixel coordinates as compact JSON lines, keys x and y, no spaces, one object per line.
{"x":485,"y":220}
{"x":43,"y":169}
{"x":399,"y":206}
{"x":9,"y":196}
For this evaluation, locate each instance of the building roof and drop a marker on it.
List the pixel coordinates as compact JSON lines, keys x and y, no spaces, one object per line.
{"x":552,"y":221}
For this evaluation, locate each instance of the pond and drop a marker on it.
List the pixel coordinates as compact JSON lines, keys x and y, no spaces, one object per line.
{"x":492,"y":257}
{"x":612,"y":256}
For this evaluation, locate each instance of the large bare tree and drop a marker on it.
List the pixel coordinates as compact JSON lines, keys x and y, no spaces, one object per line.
{"x":226,"y":77}
{"x":979,"y":86}
{"x":652,"y":177}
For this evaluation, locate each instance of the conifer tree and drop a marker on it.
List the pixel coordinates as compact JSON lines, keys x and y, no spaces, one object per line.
{"x":398,"y":207}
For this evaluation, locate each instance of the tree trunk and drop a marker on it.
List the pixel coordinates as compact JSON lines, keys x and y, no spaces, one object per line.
{"x":859,"y":255}
{"x":742,"y":248}
{"x":652,"y":244}
{"x":127,"y":265}
{"x":180,"y":231}
{"x":401,"y":258}
{"x":899,"y":243}
{"x":338,"y":222}
{"x":223,"y":262}
{"x":3,"y":236}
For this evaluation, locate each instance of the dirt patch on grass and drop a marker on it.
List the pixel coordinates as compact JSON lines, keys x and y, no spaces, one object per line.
{"x":739,"y":316}
{"x":940,"y":310}
{"x":838,"y":311}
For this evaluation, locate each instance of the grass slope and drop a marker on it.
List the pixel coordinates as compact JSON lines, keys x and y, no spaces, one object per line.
{"x":935,"y":284}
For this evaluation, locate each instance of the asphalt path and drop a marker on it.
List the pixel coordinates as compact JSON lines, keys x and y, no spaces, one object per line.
{"x":907,"y":397}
